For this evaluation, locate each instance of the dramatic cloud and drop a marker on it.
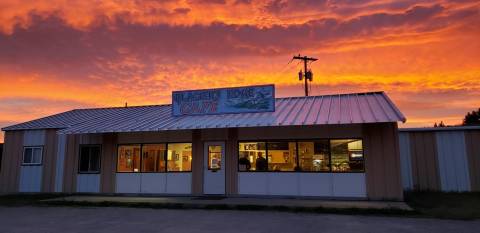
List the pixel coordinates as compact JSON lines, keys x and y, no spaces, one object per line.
{"x":59,"y":55}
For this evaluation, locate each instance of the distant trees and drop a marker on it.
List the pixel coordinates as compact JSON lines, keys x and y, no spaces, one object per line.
{"x":472,"y":118}
{"x":441,"y":124}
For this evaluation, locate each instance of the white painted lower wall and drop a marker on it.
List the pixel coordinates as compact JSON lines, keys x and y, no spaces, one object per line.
{"x":154,"y":183}
{"x":302,"y":184}
{"x":30,"y":179}
{"x":88,"y":183}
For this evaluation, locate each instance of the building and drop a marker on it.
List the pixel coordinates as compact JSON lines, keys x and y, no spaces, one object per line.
{"x":334,"y":146}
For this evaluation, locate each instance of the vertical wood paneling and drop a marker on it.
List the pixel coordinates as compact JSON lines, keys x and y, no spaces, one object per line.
{"x":12,"y":155}
{"x":382,"y":162}
{"x":108,"y":163}
{"x":231,"y":158}
{"x":49,"y":161}
{"x":424,"y":161}
{"x":197,"y":162}
{"x":472,"y":143}
{"x":70,"y":169}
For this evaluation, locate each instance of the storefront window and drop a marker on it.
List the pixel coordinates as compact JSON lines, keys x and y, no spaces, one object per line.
{"x":282,"y":156}
{"x":314,"y":155}
{"x":179,"y":157}
{"x":128,"y":158}
{"x":153,"y":159}
{"x":252,"y":156}
{"x":347,"y":155}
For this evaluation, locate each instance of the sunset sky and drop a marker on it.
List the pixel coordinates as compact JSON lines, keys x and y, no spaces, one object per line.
{"x":57,"y":55}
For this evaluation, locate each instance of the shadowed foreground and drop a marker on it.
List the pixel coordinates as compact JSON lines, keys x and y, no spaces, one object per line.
{"x":119,"y":220}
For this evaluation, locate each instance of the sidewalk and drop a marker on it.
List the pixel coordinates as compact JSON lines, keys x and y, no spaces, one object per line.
{"x":205,"y":202}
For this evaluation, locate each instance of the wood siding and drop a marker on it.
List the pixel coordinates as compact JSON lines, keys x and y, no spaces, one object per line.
{"x":231,"y":161}
{"x":197,"y":163}
{"x":12,"y":156}
{"x":108,"y":163}
{"x":49,"y":161}
{"x":472,"y":143}
{"x":382,"y":162}
{"x":424,"y":156}
{"x":301,"y":132}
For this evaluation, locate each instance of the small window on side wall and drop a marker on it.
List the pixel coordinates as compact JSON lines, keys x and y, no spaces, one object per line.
{"x":89,"y":159}
{"x":32,"y":155}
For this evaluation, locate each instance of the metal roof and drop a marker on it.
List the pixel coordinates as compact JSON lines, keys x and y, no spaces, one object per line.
{"x":372,"y":107}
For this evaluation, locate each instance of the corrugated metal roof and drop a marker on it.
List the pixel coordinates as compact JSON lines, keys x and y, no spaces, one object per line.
{"x":353,"y":108}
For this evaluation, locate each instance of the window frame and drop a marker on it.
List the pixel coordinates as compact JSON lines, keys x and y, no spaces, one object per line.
{"x":141,"y":157}
{"x":266,"y":141}
{"x":32,"y":147}
{"x":99,"y":158}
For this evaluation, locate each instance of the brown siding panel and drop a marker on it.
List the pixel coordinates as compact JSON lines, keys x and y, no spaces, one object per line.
{"x":472,"y":142}
{"x":12,"y":156}
{"x":382,"y":162}
{"x":424,"y":161}
{"x":231,"y":158}
{"x":197,"y":163}
{"x":108,"y":163}
{"x":49,"y":161}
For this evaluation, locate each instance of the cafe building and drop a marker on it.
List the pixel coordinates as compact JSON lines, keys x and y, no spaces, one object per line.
{"x":238,"y":141}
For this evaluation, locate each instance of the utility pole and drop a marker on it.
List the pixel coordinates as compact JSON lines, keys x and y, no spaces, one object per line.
{"x":307,"y":75}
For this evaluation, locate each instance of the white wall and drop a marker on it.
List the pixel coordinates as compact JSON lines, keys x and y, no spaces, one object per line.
{"x":30,"y":179}
{"x":302,"y":184}
{"x":453,"y":161}
{"x":154,"y":183}
{"x":88,"y":183}
{"x":31,"y":176}
{"x":405,"y":161}
{"x":62,"y":140}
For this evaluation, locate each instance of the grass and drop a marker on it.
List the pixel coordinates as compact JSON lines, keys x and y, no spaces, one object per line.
{"x":465,"y":206}
{"x":445,"y":205}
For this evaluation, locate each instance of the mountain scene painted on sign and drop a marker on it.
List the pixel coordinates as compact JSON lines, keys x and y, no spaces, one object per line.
{"x":261,"y":100}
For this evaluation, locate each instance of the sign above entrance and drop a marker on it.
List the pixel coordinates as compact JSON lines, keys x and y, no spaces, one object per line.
{"x":224,"y":100}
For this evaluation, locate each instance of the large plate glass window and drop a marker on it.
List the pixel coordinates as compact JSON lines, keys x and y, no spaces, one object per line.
{"x":282,"y":156}
{"x":347,"y":155}
{"x":252,"y":156}
{"x":128,"y":158}
{"x":314,"y":156}
{"x":89,"y":159}
{"x":32,"y":155}
{"x":153,"y":159}
{"x":179,"y":157}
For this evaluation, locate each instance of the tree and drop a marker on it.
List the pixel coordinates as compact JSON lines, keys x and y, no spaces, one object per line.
{"x":472,"y":118}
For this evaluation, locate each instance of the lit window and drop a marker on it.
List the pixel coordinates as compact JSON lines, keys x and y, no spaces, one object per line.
{"x":347,"y":155}
{"x":252,"y":156}
{"x":32,"y":155}
{"x":128,"y":158}
{"x":314,"y":155}
{"x":282,"y":156}
{"x":153,"y":159}
{"x":89,"y":159}
{"x":179,"y":157}
{"x":214,"y":157}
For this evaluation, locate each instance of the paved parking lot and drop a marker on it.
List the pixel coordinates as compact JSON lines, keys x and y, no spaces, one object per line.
{"x":119,"y":220}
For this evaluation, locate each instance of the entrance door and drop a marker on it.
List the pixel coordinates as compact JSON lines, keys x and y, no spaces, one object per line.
{"x":214,"y":168}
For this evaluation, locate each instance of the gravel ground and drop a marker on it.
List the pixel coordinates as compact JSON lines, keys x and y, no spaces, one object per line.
{"x":129,"y":220}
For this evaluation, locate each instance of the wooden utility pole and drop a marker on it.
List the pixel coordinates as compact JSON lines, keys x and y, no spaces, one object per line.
{"x":307,"y":75}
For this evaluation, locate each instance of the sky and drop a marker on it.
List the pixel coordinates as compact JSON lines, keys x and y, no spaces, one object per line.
{"x":58,"y":55}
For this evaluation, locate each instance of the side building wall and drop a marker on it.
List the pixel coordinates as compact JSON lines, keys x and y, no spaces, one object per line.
{"x":440,"y":159}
